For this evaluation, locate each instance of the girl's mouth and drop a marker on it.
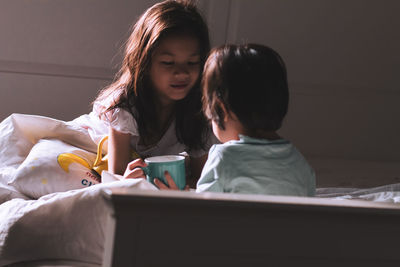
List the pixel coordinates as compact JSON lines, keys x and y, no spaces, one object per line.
{"x":179,"y":86}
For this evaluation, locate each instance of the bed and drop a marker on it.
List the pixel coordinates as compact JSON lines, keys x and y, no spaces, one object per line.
{"x":130,"y":223}
{"x":153,"y":228}
{"x":50,"y":217}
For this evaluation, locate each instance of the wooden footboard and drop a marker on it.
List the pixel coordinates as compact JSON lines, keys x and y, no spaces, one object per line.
{"x":163,"y":228}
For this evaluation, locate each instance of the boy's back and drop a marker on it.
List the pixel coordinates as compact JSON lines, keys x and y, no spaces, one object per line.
{"x":257,"y":166}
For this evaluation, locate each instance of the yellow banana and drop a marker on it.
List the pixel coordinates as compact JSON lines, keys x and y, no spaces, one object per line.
{"x":100,"y":164}
{"x":65,"y":159}
{"x":99,"y":160}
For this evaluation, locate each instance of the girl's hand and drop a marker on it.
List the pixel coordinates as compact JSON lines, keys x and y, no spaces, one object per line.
{"x":171,"y":185}
{"x":133,"y":169}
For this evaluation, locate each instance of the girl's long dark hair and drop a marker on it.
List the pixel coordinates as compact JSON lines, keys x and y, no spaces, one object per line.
{"x":132,"y":88}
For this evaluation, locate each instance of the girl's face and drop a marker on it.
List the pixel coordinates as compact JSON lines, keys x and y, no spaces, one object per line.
{"x":175,"y":67}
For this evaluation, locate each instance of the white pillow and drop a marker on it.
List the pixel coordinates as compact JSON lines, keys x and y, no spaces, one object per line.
{"x":54,"y":166}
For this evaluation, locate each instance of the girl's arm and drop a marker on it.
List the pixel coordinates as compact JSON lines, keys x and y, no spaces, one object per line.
{"x":196,"y":166}
{"x":119,"y":151}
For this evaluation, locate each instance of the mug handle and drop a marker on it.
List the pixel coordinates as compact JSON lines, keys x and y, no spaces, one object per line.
{"x":145,"y":170}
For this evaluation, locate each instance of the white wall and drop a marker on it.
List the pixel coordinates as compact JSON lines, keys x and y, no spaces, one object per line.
{"x":342,"y":59}
{"x":343,"y":63}
{"x":55,"y":55}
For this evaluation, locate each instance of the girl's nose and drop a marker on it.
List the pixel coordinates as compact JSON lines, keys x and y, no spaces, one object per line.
{"x":181,"y":69}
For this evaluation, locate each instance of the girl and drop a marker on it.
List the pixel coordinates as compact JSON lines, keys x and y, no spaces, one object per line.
{"x":154,"y":106}
{"x":246,"y":95}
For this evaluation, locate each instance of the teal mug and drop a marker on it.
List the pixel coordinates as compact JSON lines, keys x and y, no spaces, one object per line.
{"x":174,"y":164}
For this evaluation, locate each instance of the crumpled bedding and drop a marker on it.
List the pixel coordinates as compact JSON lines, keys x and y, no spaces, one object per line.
{"x":67,"y":225}
{"x":50,"y":210}
{"x":385,"y":193}
{"x":19,"y":133}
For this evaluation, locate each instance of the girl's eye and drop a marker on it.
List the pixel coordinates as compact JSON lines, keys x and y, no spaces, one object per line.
{"x":193,"y":63}
{"x":168,"y":63}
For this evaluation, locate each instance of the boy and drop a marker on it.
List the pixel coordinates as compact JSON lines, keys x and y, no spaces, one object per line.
{"x":245,"y":95}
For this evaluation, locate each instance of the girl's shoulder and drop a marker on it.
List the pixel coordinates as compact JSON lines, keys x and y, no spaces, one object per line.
{"x":119,"y":119}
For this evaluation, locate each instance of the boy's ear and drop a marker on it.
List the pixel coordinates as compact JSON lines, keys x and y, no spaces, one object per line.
{"x":224,"y":110}
{"x":227,"y":114}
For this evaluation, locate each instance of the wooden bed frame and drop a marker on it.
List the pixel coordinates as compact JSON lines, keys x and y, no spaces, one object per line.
{"x":169,"y":228}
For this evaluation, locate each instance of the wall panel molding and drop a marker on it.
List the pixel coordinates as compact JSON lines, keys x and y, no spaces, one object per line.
{"x":46,"y":69}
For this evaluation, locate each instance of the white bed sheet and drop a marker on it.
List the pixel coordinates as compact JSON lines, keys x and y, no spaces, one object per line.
{"x":385,"y":193}
{"x":68,"y":226}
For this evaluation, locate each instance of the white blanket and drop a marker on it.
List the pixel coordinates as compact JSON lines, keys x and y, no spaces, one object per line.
{"x":51,"y":208}
{"x":385,"y":193}
{"x":67,"y":225}
{"x":29,"y":147}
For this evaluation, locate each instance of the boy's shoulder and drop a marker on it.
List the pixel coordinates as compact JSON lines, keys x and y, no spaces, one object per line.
{"x":255,"y":146}
{"x":249,"y":142}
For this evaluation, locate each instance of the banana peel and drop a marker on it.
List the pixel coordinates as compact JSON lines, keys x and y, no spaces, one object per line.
{"x":65,"y":159}
{"x":99,"y":165}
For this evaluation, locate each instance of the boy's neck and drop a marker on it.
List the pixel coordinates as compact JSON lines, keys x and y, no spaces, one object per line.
{"x":234,"y":128}
{"x":269,"y":135}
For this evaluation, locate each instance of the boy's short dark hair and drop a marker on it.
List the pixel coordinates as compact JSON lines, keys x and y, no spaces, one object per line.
{"x":249,"y":80}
